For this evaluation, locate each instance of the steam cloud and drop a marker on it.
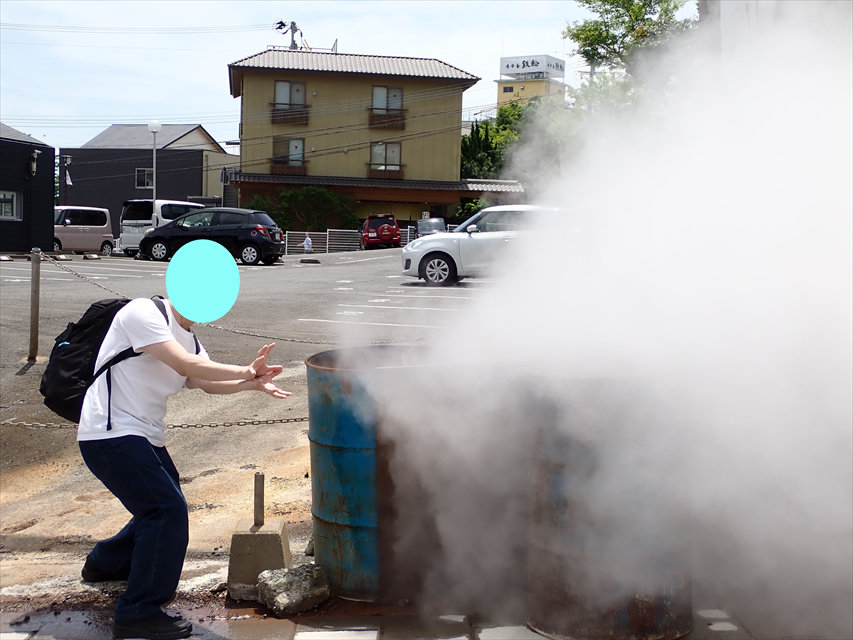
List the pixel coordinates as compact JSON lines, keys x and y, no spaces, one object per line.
{"x":703,"y":259}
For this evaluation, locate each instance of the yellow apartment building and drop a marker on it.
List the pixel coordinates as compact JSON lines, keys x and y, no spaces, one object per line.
{"x":528,"y":76}
{"x":385,"y":130}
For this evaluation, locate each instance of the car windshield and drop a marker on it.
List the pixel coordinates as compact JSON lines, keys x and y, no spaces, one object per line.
{"x":201,"y":219}
{"x":472,"y":220}
{"x":431,"y":224}
{"x":57,"y":217}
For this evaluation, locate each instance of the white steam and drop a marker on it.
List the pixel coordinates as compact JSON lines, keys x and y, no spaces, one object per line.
{"x":703,"y":263}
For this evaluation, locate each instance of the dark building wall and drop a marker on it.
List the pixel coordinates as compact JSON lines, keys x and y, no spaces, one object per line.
{"x":35,"y":229}
{"x":107,"y":177}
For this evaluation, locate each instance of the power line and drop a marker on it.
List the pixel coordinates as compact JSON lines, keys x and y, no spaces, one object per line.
{"x":13,"y":26}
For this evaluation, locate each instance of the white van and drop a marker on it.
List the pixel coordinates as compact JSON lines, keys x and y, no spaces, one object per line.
{"x":137,"y":216}
{"x":82,"y":229}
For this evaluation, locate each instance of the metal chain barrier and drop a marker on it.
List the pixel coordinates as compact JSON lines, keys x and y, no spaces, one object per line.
{"x":81,"y":276}
{"x":203,"y":425}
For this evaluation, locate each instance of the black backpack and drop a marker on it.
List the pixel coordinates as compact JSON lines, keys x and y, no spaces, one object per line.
{"x":71,"y":367}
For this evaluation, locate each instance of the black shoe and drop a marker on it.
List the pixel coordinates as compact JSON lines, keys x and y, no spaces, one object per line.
{"x":160,"y":626}
{"x":91,"y":574}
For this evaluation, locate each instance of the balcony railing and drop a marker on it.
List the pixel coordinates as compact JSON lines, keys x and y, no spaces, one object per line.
{"x":282,"y":168}
{"x":386,"y":118}
{"x":385,"y":171}
{"x":284,"y":113}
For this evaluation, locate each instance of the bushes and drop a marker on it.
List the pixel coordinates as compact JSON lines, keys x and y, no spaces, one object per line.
{"x":309,"y":208}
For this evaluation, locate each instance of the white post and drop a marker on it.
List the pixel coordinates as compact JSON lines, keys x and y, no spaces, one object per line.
{"x":154,"y":127}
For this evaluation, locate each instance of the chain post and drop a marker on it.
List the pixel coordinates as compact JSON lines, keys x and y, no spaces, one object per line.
{"x":259,"y":499}
{"x":35,"y":289}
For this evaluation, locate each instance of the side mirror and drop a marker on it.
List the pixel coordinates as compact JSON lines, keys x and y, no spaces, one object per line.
{"x":66,"y":222}
{"x":471,"y":228}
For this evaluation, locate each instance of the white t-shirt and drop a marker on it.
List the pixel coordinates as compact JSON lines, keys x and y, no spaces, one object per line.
{"x":141,"y":384}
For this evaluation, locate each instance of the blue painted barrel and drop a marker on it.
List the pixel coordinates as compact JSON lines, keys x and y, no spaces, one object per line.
{"x":349,"y":480}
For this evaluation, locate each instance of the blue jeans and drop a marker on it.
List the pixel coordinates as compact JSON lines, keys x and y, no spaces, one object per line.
{"x":150,"y":549}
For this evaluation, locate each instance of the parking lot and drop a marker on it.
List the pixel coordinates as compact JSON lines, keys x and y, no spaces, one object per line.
{"x":347,"y":296}
{"x":53,"y":509}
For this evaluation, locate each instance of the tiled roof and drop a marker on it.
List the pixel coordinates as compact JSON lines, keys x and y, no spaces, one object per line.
{"x":296,"y":60}
{"x":488,"y":186}
{"x":137,"y":136}
{"x":8,"y":133}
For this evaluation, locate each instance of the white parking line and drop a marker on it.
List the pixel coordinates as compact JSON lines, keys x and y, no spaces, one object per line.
{"x":27,"y":279}
{"x":105,"y":267}
{"x":344,"y":261}
{"x":371,"y":324}
{"x":379,"y":306}
{"x":394,"y":295}
{"x":88,"y":274}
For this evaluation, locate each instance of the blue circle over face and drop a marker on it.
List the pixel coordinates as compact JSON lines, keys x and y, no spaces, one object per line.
{"x":202,"y":281}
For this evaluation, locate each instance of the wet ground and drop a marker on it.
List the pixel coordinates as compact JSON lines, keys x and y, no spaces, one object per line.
{"x":347,"y":623}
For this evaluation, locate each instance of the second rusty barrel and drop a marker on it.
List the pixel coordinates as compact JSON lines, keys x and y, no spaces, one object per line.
{"x":605,"y":560}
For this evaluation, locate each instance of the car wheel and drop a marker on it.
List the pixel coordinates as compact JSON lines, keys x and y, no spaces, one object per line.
{"x":249,"y":254}
{"x":57,"y":246}
{"x":270,"y":260}
{"x":107,"y":249}
{"x":438,"y":270}
{"x":159,"y":250}
{"x":130,"y":252}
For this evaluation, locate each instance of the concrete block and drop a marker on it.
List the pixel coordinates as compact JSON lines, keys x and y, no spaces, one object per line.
{"x":255,"y":549}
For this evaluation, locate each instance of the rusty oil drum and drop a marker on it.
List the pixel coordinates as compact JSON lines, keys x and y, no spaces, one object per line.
{"x":351,"y":488}
{"x":558,"y":566}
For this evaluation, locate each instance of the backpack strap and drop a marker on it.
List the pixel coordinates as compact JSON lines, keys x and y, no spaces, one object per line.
{"x":158,"y":300}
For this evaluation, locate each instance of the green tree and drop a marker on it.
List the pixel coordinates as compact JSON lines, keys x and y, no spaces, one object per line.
{"x":484,"y":148}
{"x":309,"y":208}
{"x":468,"y":208}
{"x":622,"y":29}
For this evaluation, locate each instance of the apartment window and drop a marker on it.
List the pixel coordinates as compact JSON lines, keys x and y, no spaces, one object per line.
{"x":288,"y":156}
{"x":385,"y":160}
{"x":11,"y":205}
{"x":385,"y":155}
{"x":508,"y":88}
{"x":145,"y":178}
{"x":386,"y":111}
{"x":289,"y":94}
{"x":387,"y":99}
{"x":289,"y":103}
{"x":288,"y":151}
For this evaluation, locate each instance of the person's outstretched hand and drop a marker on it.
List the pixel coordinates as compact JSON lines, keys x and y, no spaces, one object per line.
{"x":260,"y":366}
{"x":264,"y":383}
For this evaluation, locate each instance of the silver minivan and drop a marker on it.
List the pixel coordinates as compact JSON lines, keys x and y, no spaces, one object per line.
{"x":137,"y":216}
{"x":82,"y":229}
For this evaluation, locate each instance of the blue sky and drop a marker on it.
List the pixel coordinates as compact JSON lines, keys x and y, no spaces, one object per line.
{"x":70,"y":69}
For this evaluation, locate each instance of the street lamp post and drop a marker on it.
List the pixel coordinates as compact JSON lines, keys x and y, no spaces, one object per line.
{"x":154,"y":127}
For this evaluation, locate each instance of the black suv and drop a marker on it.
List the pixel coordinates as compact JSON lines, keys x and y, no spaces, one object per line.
{"x":249,"y":235}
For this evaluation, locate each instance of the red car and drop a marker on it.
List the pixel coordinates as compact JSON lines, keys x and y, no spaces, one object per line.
{"x":380,"y":231}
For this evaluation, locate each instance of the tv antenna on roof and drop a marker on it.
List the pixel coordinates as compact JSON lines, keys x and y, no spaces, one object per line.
{"x":293,"y":29}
